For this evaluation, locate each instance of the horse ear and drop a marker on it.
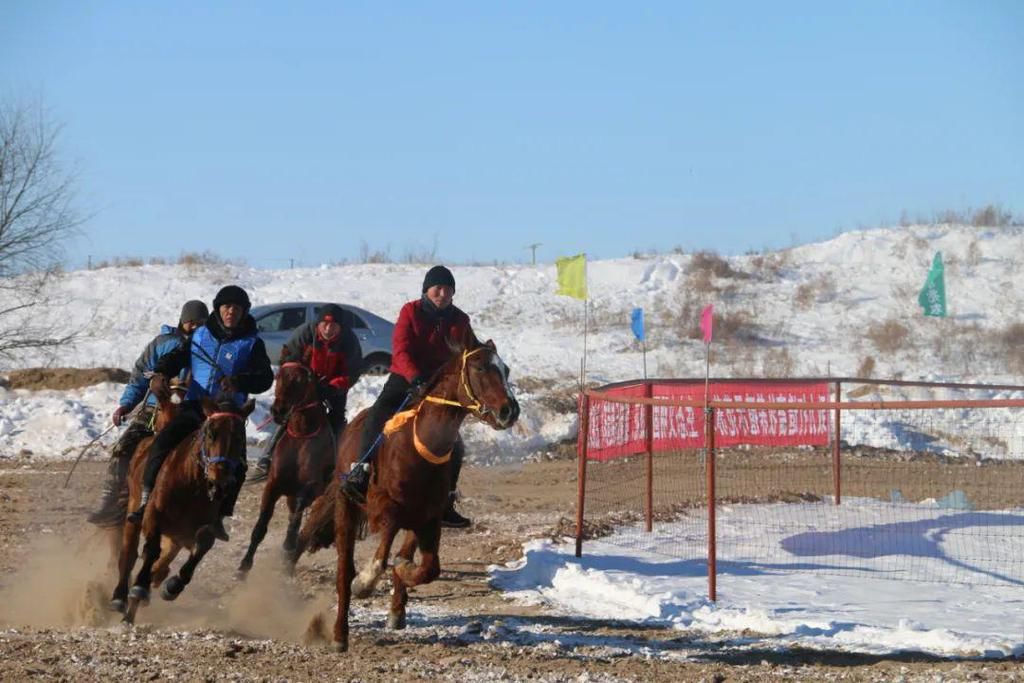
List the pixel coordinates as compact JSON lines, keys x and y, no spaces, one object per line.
{"x":209,"y":406}
{"x":490,"y":344}
{"x":248,"y":407}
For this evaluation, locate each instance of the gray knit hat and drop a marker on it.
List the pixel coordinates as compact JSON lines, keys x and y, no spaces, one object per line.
{"x":195,"y":311}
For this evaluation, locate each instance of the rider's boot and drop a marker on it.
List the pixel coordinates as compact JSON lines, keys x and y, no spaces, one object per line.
{"x":111,"y":511}
{"x":136,"y":516}
{"x":261,"y":469}
{"x":451,"y":517}
{"x":355,"y":484}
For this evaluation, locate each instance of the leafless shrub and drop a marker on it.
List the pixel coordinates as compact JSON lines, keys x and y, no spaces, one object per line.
{"x":866,"y":367}
{"x":367,"y":255}
{"x":206,"y":258}
{"x":778,"y":363}
{"x":158,"y":261}
{"x":973,"y":257}
{"x":1012,"y":341}
{"x":889,"y":336}
{"x":710,"y":262}
{"x":769,"y":266}
{"x":821,"y":289}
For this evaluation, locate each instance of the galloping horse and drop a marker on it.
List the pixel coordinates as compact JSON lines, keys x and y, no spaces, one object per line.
{"x":303,"y":458}
{"x":184,"y":503}
{"x":411,"y":479}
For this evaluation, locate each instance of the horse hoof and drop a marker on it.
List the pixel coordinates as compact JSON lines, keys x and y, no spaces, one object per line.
{"x":288,"y":547}
{"x":241,"y":574}
{"x":396,"y":622}
{"x":172,"y":588}
{"x":117,"y":605}
{"x":361,"y":591}
{"x":341,"y":647}
{"x":140,"y":594}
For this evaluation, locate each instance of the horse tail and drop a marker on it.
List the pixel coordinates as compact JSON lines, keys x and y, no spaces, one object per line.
{"x":318,"y":530}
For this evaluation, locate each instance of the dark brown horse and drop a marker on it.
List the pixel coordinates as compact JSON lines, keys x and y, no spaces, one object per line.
{"x":410,"y":483}
{"x":303,"y":458}
{"x":184,"y":503}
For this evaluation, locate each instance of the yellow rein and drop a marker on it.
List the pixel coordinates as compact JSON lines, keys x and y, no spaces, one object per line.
{"x":396,"y":422}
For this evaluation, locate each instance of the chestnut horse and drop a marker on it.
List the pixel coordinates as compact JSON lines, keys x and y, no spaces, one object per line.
{"x":185,"y":502}
{"x":303,"y":458}
{"x":411,"y":478}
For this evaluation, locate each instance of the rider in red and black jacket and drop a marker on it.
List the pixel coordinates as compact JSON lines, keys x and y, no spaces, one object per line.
{"x":331,"y":350}
{"x":419,"y":347}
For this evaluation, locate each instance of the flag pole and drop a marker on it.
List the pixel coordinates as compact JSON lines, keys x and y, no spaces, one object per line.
{"x":643,"y":345}
{"x":586,"y":316}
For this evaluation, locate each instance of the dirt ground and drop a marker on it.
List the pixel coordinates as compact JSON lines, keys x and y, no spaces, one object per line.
{"x":55,"y":581}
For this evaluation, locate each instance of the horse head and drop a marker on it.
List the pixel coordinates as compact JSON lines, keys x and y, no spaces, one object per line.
{"x":168,"y":400}
{"x":296,"y":386}
{"x":482,"y":382}
{"x":221,"y":444}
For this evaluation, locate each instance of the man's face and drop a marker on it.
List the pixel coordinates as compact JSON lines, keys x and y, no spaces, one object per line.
{"x":230,"y":314}
{"x":190,"y":326}
{"x":328,"y":329}
{"x":441,"y":296}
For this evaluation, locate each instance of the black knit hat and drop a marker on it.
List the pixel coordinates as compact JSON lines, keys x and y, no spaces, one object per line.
{"x":334,"y":311}
{"x":194,"y":311}
{"x":438,"y":275}
{"x":232,"y":294}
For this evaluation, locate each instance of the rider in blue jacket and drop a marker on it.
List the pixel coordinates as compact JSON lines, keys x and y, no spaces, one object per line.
{"x":224,"y":357}
{"x":111,"y":509}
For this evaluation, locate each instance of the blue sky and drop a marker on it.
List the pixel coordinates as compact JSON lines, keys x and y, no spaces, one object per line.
{"x":305,"y":130}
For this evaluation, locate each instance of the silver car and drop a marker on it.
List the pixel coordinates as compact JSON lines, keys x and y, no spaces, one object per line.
{"x":276,"y":322}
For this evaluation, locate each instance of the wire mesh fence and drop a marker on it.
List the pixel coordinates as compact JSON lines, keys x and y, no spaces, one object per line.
{"x":921,"y":492}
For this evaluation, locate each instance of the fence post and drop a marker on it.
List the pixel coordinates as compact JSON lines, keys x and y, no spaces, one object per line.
{"x":709,"y":445}
{"x":649,"y":461}
{"x":581,"y":469}
{"x":836,"y":482}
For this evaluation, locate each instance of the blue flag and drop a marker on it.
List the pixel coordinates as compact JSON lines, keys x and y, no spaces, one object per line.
{"x":637,"y":321}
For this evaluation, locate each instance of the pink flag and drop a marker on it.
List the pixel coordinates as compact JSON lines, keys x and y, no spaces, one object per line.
{"x":705,"y":322}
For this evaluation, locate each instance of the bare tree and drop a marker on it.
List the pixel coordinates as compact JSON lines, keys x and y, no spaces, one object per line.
{"x":36,"y":217}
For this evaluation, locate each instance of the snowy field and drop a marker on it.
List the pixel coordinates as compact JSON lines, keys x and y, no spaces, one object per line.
{"x":857,"y":279}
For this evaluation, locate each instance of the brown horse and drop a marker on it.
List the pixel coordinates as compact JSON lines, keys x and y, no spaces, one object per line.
{"x":303,"y":458}
{"x":410,"y":483}
{"x":184,"y":503}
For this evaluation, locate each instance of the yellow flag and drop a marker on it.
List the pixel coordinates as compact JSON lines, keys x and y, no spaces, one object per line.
{"x":572,"y":276}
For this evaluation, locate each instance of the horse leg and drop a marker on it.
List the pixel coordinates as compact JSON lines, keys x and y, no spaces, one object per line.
{"x":173,"y":586}
{"x":125,"y":563}
{"x":366,"y":581}
{"x":428,"y":538}
{"x":267,"y":504}
{"x":309,"y":493}
{"x":344,"y":543}
{"x":168,"y":551}
{"x":399,"y":591}
{"x":140,"y":591}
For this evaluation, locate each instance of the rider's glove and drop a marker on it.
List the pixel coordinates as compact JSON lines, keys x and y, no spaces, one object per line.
{"x":417,"y":388}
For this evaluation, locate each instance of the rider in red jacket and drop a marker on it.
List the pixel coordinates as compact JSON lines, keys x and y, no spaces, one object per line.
{"x":419,"y":347}
{"x":331,"y":350}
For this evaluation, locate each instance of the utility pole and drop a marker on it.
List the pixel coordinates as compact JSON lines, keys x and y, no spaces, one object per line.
{"x":533,"y":251}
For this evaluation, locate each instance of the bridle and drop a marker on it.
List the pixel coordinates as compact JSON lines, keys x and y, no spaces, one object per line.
{"x":474,"y":406}
{"x":204,"y":458}
{"x":298,"y":409}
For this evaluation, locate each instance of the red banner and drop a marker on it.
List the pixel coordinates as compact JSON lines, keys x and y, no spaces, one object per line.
{"x":620,"y":429}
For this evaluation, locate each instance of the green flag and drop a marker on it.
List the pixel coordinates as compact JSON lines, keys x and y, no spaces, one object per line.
{"x":933,"y":295}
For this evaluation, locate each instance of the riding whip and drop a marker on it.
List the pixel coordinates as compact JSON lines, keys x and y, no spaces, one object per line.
{"x":101,"y":435}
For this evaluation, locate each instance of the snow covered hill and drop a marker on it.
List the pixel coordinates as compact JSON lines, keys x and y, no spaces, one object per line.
{"x":843,"y":307}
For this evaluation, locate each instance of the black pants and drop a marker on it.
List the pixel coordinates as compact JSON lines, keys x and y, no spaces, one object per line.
{"x":188,"y":420}
{"x":384,"y":408}
{"x":336,"y":402}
